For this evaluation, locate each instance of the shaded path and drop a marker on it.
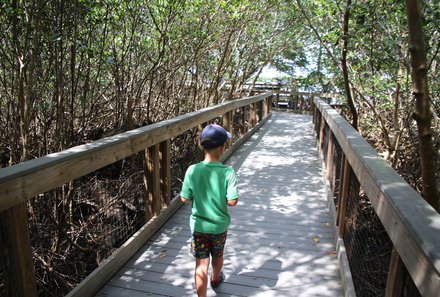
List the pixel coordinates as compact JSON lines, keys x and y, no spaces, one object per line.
{"x":280,"y":242}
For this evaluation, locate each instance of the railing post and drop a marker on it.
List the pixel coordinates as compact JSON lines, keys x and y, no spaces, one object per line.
{"x":309,"y":104}
{"x":227,"y":123}
{"x":329,"y":163}
{"x":165,"y":171}
{"x":343,"y":196}
{"x":269,"y":104}
{"x":265,"y":111}
{"x":253,"y":115}
{"x":16,"y":248}
{"x":261,"y":110}
{"x":152,"y":180}
{"x":321,"y":135}
{"x":296,"y":102}
{"x":243,"y":128}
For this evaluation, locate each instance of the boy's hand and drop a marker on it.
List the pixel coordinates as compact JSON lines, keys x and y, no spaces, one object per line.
{"x":233,"y":202}
{"x":184,"y":200}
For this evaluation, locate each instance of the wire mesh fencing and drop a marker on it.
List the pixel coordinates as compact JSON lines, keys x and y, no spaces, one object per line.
{"x":76,"y":226}
{"x":367,"y":244}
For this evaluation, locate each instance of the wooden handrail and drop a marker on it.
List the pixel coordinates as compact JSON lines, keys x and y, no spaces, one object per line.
{"x":307,"y":94}
{"x":21,"y":182}
{"x":411,"y":223}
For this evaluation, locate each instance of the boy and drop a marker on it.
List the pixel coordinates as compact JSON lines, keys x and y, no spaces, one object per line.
{"x":211,"y":187}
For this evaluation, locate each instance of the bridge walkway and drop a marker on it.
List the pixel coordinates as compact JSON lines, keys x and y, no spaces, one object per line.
{"x":280,"y":242}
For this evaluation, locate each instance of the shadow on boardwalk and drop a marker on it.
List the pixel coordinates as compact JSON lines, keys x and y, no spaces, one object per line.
{"x":279,"y":242}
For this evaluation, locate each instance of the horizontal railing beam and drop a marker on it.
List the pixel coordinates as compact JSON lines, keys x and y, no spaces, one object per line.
{"x":411,"y":223}
{"x":307,"y":94}
{"x":276,"y":90}
{"x":23,"y":181}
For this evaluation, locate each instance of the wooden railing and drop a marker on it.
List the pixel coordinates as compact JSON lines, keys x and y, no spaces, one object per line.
{"x":287,"y":96}
{"x":294,"y":100}
{"x":358,"y":175}
{"x":22,"y":182}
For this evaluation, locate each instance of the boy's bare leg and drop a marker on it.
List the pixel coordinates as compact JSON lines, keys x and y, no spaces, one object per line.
{"x":217,"y":265}
{"x":201,"y":276}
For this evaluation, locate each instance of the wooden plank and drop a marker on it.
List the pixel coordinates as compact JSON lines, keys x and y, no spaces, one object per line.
{"x":303,"y":240}
{"x":412,"y":224}
{"x":20,"y":182}
{"x":158,"y":258}
{"x":166,"y":259}
{"x":280,"y":241}
{"x":288,"y":229}
{"x":249,"y":277}
{"x":114,"y":291}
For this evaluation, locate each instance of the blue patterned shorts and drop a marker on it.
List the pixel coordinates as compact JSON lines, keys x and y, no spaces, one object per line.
{"x":204,"y":244}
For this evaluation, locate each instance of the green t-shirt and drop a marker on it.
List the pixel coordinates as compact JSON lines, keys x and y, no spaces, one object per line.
{"x":208,"y":185}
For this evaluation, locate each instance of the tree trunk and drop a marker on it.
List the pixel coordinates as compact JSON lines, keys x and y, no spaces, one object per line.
{"x":345,"y":67}
{"x":397,"y":124}
{"x":422,"y":111}
{"x":213,"y":93}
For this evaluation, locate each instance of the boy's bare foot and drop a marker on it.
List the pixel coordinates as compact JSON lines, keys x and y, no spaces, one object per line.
{"x":216,"y":283}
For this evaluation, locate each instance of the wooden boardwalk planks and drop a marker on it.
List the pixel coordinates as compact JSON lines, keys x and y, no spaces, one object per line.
{"x":280,"y":240}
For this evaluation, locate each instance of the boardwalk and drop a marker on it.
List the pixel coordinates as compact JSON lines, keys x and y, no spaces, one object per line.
{"x":280,"y":240}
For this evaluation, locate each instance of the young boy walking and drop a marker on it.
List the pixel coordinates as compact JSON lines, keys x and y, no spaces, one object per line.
{"x":210,"y":186}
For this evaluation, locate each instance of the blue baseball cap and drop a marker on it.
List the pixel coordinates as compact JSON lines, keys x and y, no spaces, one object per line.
{"x":213,"y":136}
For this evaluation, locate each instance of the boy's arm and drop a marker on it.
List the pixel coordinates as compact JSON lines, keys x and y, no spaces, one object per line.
{"x":233,"y":202}
{"x":231,"y":191}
